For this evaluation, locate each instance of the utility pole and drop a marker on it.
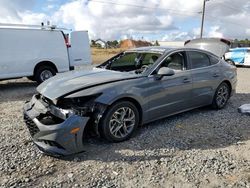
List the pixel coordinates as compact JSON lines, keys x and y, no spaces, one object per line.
{"x":203,"y":17}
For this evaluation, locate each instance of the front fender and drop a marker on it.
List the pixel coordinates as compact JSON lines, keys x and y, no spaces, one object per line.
{"x":109,"y":98}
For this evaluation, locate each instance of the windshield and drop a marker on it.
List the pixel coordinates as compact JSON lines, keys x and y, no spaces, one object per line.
{"x":136,"y":62}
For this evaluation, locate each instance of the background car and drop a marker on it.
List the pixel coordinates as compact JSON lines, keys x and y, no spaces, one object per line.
{"x":239,"y":56}
{"x":135,"y":87}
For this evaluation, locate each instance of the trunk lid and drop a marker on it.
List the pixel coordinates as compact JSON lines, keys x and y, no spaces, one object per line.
{"x":216,"y":46}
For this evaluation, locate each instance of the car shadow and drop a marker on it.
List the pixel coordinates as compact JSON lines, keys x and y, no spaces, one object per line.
{"x":17,"y":90}
{"x":201,"y":129}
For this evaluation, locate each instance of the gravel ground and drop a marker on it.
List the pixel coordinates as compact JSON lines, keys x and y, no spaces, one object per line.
{"x":200,"y":148}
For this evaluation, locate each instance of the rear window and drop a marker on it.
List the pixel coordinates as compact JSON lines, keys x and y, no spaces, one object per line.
{"x":198,"y":59}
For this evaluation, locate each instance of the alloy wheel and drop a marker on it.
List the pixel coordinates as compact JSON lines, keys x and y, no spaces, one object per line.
{"x":222,"y":96}
{"x":122,"y":122}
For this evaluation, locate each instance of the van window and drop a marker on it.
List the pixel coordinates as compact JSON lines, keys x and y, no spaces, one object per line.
{"x":198,"y":59}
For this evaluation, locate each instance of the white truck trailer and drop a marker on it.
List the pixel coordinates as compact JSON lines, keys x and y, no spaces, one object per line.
{"x":39,"y":52}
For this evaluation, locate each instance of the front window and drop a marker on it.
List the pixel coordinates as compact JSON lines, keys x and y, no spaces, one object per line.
{"x":125,"y":61}
{"x":137,"y":62}
{"x":175,"y":61}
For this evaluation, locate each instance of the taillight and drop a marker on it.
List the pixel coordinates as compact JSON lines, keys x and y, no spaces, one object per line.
{"x":66,"y":39}
{"x":67,"y":42}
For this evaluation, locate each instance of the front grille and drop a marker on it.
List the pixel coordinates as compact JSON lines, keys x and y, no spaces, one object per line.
{"x":33,"y":129}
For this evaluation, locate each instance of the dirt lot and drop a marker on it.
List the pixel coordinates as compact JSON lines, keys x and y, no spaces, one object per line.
{"x":200,"y":148}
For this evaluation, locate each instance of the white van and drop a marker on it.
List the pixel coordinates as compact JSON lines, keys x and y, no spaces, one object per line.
{"x":40,"y":53}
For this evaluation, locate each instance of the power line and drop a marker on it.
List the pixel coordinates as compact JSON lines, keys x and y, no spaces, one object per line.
{"x":215,"y":19}
{"x":229,"y":6}
{"x":174,"y":11}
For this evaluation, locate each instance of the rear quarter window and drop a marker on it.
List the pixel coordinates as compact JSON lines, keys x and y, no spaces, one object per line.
{"x":198,"y":59}
{"x":213,"y":60}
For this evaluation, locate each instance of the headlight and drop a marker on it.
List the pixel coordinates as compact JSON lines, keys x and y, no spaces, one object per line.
{"x":60,"y":113}
{"x":79,"y":105}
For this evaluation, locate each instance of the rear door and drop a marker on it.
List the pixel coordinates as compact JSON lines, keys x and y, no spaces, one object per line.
{"x":206,"y":76}
{"x":79,"y":50}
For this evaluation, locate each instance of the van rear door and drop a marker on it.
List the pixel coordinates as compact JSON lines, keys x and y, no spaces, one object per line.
{"x":216,"y":46}
{"x":79,"y":50}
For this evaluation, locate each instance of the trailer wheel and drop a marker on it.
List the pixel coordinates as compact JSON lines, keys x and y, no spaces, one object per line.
{"x":43,"y":73}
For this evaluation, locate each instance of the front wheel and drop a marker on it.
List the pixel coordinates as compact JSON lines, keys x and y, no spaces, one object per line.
{"x":221,"y":96}
{"x":120,"y":121}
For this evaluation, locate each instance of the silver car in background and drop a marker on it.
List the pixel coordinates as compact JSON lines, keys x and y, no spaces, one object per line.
{"x":135,"y":87}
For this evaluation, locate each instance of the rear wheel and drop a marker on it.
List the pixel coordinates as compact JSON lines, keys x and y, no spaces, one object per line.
{"x":120,"y":121}
{"x":43,"y":73}
{"x":221,"y":96}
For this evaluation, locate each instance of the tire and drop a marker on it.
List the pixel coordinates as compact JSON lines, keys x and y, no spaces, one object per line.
{"x":43,"y":73}
{"x":114,"y":118}
{"x":221,"y":96}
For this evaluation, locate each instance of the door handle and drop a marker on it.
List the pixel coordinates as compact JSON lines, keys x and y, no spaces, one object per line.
{"x":186,"y":80}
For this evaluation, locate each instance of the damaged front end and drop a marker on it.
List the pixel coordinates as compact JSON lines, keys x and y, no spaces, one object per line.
{"x":57,"y":129}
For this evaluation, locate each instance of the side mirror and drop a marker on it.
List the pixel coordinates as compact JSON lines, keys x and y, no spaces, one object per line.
{"x":164,"y":71}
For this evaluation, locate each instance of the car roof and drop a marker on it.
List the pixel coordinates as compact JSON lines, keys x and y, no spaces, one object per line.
{"x":164,"y":49}
{"x":159,"y":49}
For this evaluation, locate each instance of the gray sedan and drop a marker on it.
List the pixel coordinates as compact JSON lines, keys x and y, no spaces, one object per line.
{"x":135,"y":87}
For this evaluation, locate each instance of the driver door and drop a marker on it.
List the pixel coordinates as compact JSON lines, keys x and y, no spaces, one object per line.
{"x":171,"y":94}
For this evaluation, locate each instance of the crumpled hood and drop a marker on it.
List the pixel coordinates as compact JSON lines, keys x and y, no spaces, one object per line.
{"x":68,"y":82}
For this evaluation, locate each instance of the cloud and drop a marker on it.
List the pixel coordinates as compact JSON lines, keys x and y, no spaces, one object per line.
{"x":111,"y":23}
{"x":215,"y":32}
{"x":19,"y":11}
{"x":168,"y":20}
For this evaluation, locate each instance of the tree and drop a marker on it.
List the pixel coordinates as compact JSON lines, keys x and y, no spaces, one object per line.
{"x":115,"y":42}
{"x":93,"y":43}
{"x":156,"y":43}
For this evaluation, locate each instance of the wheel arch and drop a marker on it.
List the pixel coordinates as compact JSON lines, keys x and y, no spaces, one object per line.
{"x":126,"y":98}
{"x":99,"y":126}
{"x":45,"y":63}
{"x":229,"y":85}
{"x":135,"y":102}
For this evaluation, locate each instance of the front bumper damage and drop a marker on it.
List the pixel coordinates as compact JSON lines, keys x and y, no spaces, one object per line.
{"x":63,"y":136}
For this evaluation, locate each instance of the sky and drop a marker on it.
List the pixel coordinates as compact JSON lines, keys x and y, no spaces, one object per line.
{"x":162,"y":20}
